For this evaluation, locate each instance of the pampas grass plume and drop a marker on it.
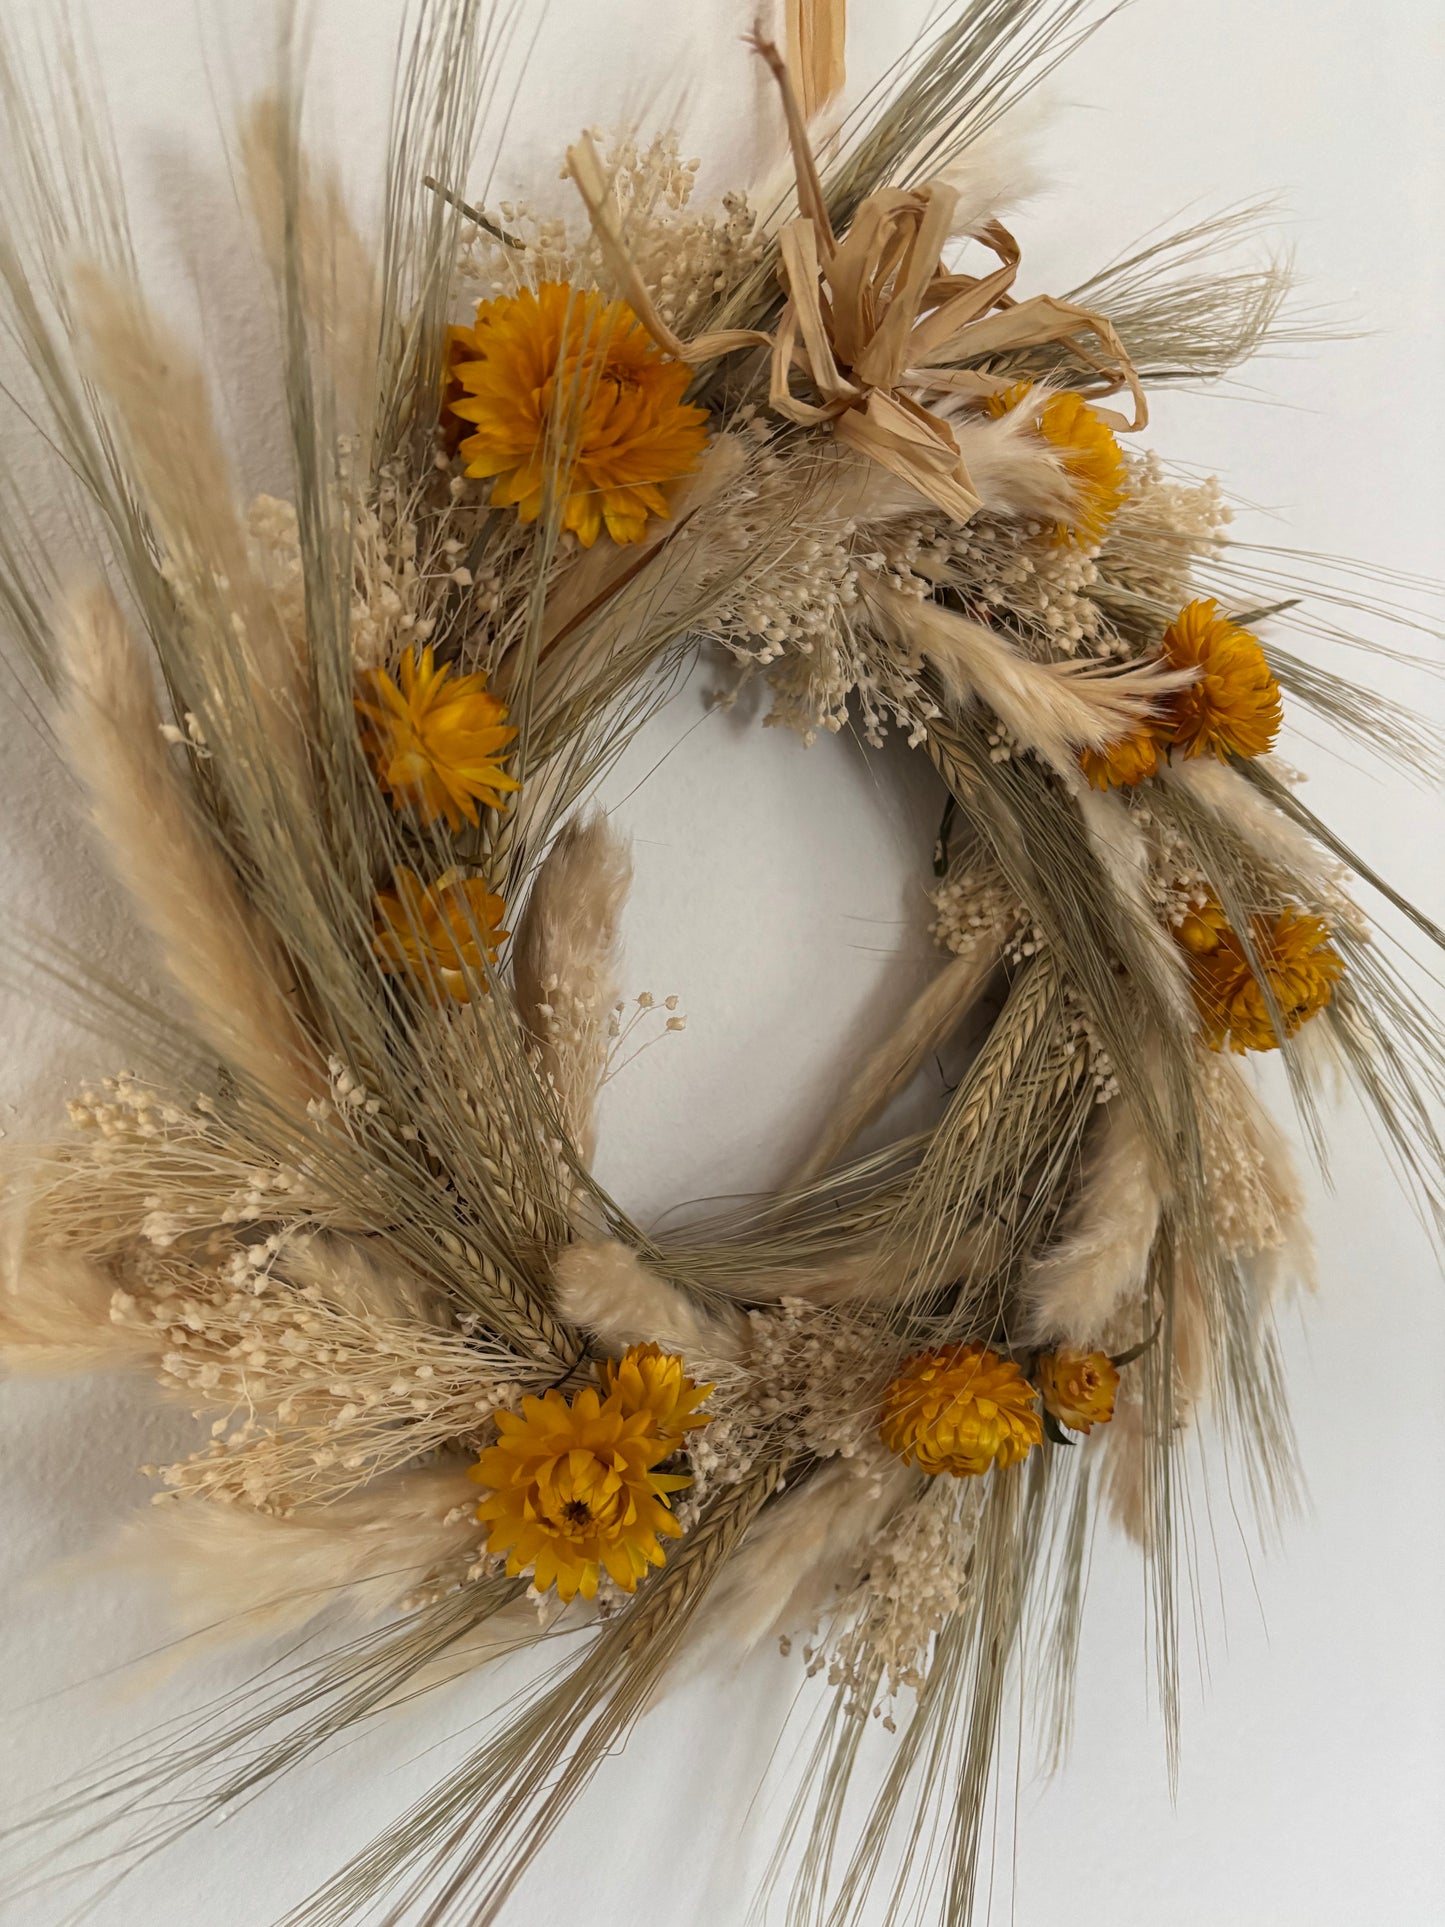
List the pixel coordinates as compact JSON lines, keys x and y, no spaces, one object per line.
{"x":220,"y":956}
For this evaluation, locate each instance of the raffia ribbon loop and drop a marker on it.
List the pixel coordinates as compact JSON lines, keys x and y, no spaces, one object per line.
{"x":807,"y":314}
{"x":903,"y":437}
{"x":584,"y":164}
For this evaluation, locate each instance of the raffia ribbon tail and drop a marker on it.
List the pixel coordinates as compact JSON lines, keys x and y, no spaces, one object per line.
{"x":817,"y":41}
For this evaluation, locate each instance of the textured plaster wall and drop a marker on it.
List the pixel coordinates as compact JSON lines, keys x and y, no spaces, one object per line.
{"x":779,"y":892}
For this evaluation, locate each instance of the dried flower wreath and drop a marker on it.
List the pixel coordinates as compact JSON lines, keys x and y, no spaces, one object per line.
{"x":351,"y":1217}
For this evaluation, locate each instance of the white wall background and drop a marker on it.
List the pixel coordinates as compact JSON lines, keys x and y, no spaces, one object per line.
{"x":779,"y":892}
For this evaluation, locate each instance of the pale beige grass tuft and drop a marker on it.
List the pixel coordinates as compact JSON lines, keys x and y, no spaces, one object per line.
{"x":222,"y":958}
{"x":163,"y":410}
{"x":564,"y":965}
{"x":55,"y":1317}
{"x":806,"y":1550}
{"x":1074,"y":1292}
{"x":611,"y":1293}
{"x":368,"y":1552}
{"x":1053,"y":708}
{"x":302,"y":218}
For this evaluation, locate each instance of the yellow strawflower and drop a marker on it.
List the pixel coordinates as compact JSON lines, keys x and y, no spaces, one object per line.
{"x":1077,"y":1388}
{"x":566,"y":393}
{"x":648,"y":1379}
{"x":1120,"y":765}
{"x":433,"y":739}
{"x":1299,"y":965}
{"x":572,"y":1492}
{"x":438,"y":933}
{"x":1093,"y":460}
{"x":1234,"y":706}
{"x":962,"y":1409}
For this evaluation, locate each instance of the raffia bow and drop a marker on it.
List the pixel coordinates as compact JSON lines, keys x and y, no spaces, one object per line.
{"x":876,"y":321}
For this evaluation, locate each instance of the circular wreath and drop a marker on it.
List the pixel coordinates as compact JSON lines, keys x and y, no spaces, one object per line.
{"x":351,"y":1217}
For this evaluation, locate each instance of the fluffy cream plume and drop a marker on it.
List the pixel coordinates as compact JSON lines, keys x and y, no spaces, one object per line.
{"x":1054,"y":708}
{"x":1122,"y":1448}
{"x":1238,"y":804}
{"x":606,"y":1289}
{"x":354,"y":1280}
{"x":1013,"y":469}
{"x":163,"y":411}
{"x":1255,"y":1191}
{"x":1075,"y":1290}
{"x":806,"y":1550}
{"x":1124,"y":851}
{"x":304,"y":225}
{"x":1257,"y":1208}
{"x":564,"y":964}
{"x":220,"y":956}
{"x":55,"y":1317}
{"x":929,"y":1021}
{"x":367,"y":1552}
{"x":997,"y":171}
{"x":864,"y":1272}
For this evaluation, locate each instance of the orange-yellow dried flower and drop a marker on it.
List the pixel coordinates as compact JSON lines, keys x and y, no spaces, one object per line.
{"x":566,"y":393}
{"x":572,"y":1492}
{"x":1295,"y":955}
{"x":1077,"y":1387}
{"x":434,"y":738}
{"x":1120,"y":765}
{"x":438,"y":933}
{"x":1093,"y":460}
{"x":648,"y":1379}
{"x":962,"y":1410}
{"x":1233,"y":708}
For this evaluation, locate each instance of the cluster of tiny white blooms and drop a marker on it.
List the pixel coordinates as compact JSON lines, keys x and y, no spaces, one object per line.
{"x":688,"y":261}
{"x":974,"y":910}
{"x":397,"y":570}
{"x":163,"y":1179}
{"x":274,"y":539}
{"x":918,"y":1577}
{"x":718,"y":1458}
{"x":315,"y":1397}
{"x":726,"y":1449}
{"x":1079,"y":1030}
{"x":1163,"y":527}
{"x":633,"y":1028}
{"x":189,"y":732}
{"x":1025,"y":940}
{"x":792,"y":607}
{"x":1245,"y":1208}
{"x":796,"y":580}
{"x":124,"y":1108}
{"x":814,"y":1375}
{"x":1013,"y":574}
{"x":348,"y":1099}
{"x":1176,"y":884}
{"x":388,"y":594}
